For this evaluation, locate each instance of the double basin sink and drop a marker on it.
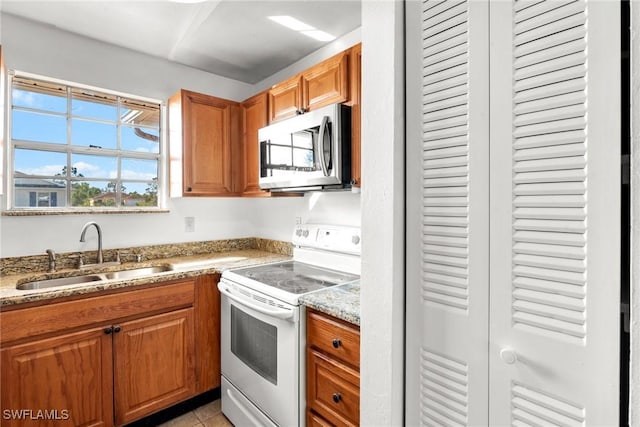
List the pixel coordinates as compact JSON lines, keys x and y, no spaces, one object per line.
{"x":92,"y":278}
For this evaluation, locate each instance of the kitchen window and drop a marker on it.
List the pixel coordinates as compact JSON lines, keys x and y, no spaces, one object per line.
{"x":83,"y":148}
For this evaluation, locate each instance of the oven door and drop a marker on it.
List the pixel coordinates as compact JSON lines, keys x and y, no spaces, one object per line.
{"x":260,"y":354}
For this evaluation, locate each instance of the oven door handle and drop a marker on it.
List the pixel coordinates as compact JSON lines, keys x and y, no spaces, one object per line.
{"x":280,"y":314}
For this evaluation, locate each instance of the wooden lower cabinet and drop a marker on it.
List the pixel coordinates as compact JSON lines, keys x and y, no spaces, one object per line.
{"x":138,"y":357}
{"x":68,"y":376}
{"x":153,"y":364}
{"x":333,"y":374}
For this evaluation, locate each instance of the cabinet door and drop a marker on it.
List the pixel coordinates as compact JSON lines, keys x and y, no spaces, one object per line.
{"x":355,"y":78}
{"x":254,"y":113}
{"x":207,"y":330}
{"x":210,"y":126}
{"x":326,"y":83}
{"x":285,"y":99}
{"x":153,"y":364}
{"x":69,"y":377}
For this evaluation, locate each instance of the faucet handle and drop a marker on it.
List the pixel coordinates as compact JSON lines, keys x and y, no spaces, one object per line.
{"x":80,"y":257}
{"x":127,"y":253}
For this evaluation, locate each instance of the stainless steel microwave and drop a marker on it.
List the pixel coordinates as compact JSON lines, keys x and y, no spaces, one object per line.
{"x":311,"y":151}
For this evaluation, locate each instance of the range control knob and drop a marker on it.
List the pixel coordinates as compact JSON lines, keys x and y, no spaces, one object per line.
{"x":355,"y":239}
{"x":305,"y":233}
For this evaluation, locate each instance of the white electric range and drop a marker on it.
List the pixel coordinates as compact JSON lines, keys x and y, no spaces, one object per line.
{"x":263,"y":330}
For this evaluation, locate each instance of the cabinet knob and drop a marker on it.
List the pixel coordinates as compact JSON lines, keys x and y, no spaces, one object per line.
{"x":337,"y":397}
{"x":188,"y":189}
{"x":116,"y":329}
{"x":336,"y":343}
{"x":108,"y":330}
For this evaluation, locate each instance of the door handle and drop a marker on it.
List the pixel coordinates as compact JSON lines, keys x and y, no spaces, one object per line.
{"x":321,"y":147}
{"x":508,"y":356}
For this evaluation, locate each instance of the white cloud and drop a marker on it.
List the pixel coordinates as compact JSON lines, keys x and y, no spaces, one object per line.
{"x":129,"y":174}
{"x":23,"y":97}
{"x":89,"y":169}
{"x":49,"y":170}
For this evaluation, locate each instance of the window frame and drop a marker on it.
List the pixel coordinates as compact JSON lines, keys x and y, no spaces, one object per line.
{"x":68,"y":150}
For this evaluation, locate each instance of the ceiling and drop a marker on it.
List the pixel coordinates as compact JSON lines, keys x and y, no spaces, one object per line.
{"x":231,"y":38}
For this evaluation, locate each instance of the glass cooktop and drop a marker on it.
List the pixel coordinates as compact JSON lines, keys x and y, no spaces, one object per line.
{"x":295,"y":277}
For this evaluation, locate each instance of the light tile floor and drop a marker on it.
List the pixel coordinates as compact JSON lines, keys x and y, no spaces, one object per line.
{"x":208,"y":415}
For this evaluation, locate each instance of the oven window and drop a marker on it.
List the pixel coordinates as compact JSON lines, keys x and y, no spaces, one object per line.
{"x":255,"y":343}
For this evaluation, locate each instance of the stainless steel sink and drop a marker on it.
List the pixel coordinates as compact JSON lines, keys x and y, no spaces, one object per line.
{"x":89,"y":278}
{"x":136,"y":272}
{"x":62,"y":281}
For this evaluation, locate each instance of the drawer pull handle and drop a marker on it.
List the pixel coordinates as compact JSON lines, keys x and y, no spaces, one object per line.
{"x":337,"y":343}
{"x":337,"y":397}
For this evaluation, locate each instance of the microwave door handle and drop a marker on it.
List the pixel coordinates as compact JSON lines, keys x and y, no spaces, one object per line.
{"x":323,"y":130}
{"x":280,"y":314}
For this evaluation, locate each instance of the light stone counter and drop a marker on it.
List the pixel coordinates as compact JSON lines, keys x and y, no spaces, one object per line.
{"x":184,"y":267}
{"x":341,"y":301}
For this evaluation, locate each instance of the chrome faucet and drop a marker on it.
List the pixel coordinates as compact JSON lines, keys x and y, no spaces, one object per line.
{"x":84,"y":231}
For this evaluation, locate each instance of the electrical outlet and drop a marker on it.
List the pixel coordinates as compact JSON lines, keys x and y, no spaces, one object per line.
{"x":189,"y":224}
{"x":298,"y":220}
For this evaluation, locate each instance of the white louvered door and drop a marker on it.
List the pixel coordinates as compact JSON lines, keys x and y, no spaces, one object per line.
{"x":555,"y":230}
{"x":513,"y":212}
{"x":448,"y":216}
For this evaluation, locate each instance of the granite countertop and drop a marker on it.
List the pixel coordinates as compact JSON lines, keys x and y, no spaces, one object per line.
{"x":183,"y":267}
{"x":341,"y":301}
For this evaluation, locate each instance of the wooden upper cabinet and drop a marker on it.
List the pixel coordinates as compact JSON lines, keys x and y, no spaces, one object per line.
{"x":323,"y":84}
{"x":209,"y":129}
{"x":254,"y":117}
{"x":326,"y":83}
{"x":285,"y":99}
{"x":355,"y":79}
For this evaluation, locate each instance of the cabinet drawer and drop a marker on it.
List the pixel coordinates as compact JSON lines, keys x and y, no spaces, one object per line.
{"x":337,"y":338}
{"x":48,"y":318}
{"x":314,"y":420}
{"x":333,"y":389}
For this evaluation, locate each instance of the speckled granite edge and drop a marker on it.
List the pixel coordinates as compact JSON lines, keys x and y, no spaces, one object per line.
{"x":184,"y":267}
{"x":39,"y":263}
{"x":341,"y":301}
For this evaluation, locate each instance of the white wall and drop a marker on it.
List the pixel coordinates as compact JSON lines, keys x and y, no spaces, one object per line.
{"x":382,"y":292}
{"x":35,"y":48}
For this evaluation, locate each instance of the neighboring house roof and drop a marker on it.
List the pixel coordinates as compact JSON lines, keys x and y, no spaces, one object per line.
{"x":22,"y":180}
